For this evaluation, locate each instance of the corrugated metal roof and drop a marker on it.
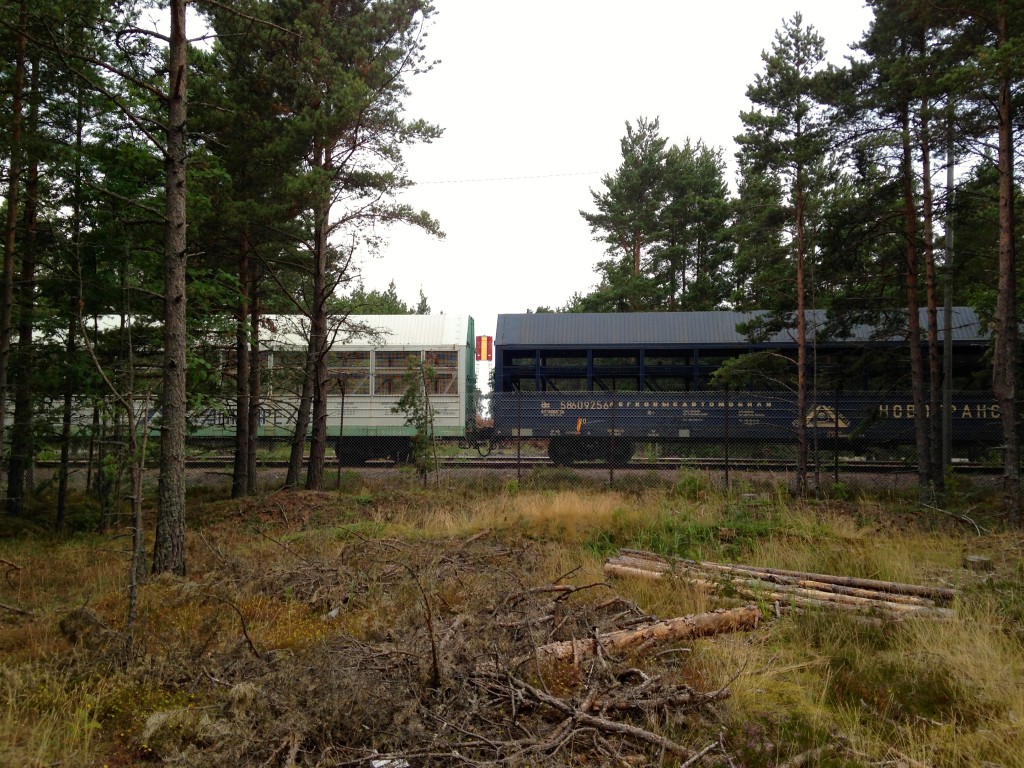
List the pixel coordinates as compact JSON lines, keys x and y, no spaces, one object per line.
{"x":653,"y":329}
{"x":373,"y":331}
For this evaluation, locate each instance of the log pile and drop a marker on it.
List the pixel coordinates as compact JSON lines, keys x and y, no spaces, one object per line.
{"x":790,"y":589}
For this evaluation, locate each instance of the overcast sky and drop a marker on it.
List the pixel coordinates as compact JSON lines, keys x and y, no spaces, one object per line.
{"x":533,"y":97}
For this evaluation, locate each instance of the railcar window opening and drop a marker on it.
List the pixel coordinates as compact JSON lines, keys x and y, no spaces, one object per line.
{"x":267,"y":372}
{"x":566,"y":375}
{"x":441,"y":358}
{"x":445,"y":365}
{"x":522,"y":384}
{"x":575,"y":384}
{"x":444,"y":383}
{"x":385,"y":359}
{"x":287,"y":371}
{"x":616,"y":359}
{"x":705,"y":382}
{"x":617,"y":383}
{"x":390,"y":368}
{"x":519,"y":373}
{"x":351,"y":369}
{"x":668,"y":383}
{"x":563,"y":359}
{"x":388,"y":383}
{"x":668,"y":358}
{"x":749,"y":371}
{"x":228,"y":369}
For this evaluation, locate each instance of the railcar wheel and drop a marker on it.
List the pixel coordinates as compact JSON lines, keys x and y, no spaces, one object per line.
{"x":560,"y":452}
{"x":350,"y":453}
{"x":621,"y":453}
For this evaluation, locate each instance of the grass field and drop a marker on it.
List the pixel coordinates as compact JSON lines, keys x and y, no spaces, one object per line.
{"x":325,"y":629}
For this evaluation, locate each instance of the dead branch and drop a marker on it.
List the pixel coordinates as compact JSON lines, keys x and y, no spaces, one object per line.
{"x":11,"y":569}
{"x":245,"y":626}
{"x":696,"y":758}
{"x":435,"y":664}
{"x":584,"y":718}
{"x":979,"y":529}
{"x":15,"y":609}
{"x":476,"y":537}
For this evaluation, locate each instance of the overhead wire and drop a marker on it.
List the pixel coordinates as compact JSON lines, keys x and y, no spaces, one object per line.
{"x":509,"y":178}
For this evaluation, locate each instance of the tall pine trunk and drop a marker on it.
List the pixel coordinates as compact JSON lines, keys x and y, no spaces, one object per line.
{"x":255,"y":373}
{"x":169,"y":547}
{"x":240,"y":474}
{"x":1004,"y":359}
{"x":19,"y":481}
{"x":802,"y":447}
{"x":318,"y":352}
{"x":934,"y":407}
{"x":301,"y":422}
{"x":74,"y":318}
{"x":914,"y":308}
{"x":11,"y":224}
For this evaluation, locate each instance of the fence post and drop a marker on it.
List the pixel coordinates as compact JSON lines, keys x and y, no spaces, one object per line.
{"x":341,"y":429}
{"x":519,"y":435}
{"x":611,"y":443}
{"x":835,"y":437}
{"x":725,"y":430}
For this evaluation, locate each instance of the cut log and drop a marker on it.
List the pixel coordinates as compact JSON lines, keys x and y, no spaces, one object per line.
{"x":937,"y":593}
{"x":659,"y":633}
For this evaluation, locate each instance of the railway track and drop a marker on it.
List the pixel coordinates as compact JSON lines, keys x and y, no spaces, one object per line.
{"x":215,"y":463}
{"x":711,"y":464}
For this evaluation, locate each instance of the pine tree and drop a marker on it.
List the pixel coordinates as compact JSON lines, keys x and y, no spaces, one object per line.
{"x":664,"y":217}
{"x":785,"y":137}
{"x":627,"y":220}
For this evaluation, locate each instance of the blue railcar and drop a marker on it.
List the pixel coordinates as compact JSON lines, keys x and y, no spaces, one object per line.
{"x":594,"y":386}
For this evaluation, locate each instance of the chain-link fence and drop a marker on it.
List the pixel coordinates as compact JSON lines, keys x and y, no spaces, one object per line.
{"x":841,"y":438}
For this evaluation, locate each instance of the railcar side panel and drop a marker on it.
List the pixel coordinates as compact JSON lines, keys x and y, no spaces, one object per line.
{"x":861,"y":419}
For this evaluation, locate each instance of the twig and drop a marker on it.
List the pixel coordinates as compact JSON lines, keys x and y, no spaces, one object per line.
{"x":567,"y":574}
{"x":215,"y":550}
{"x":693,"y":760}
{"x":907,"y":759}
{"x":282,"y":544}
{"x":245,"y":626}
{"x":586,"y":719}
{"x":10,"y":570}
{"x":979,"y":529}
{"x":476,"y":537}
{"x":435,"y":663}
{"x":14,"y":609}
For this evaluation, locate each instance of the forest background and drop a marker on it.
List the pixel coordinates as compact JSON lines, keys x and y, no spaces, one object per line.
{"x":199,"y":188}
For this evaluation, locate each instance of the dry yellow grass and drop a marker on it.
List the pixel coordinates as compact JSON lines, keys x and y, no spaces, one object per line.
{"x":47,"y":718}
{"x":943,"y":693}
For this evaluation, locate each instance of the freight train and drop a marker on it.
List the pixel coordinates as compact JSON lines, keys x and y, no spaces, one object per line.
{"x":596,"y":387}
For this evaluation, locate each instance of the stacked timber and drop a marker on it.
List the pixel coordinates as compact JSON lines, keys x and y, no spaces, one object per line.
{"x":792,"y":589}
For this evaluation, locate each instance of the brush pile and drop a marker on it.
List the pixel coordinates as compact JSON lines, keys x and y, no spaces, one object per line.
{"x":789,"y":589}
{"x":397,"y":654}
